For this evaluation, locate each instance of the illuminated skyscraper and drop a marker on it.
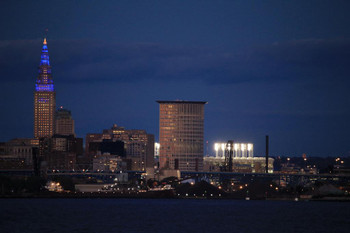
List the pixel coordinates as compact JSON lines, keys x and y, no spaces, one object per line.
{"x":181,"y":135}
{"x":44,"y":98}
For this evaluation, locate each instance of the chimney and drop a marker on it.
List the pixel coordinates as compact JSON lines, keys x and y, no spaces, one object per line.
{"x":267,"y":154}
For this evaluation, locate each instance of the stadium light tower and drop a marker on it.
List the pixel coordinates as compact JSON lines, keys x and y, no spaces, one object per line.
{"x":216,"y":147}
{"x":223,"y":149}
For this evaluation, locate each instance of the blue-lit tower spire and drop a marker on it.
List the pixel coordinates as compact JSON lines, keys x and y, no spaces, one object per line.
{"x":44,"y":81}
{"x":44,"y":98}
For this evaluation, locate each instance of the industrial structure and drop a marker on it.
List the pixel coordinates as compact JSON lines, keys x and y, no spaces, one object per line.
{"x":236,"y":157}
{"x":240,"y":150}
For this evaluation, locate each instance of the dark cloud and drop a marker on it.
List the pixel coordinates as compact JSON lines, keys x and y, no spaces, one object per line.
{"x":102,"y":61}
{"x":320,"y":57}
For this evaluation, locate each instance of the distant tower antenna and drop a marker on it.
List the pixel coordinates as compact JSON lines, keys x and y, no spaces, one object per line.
{"x":267,"y":155}
{"x":228,"y":156}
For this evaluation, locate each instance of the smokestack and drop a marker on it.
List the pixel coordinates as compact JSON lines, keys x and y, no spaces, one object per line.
{"x":267,"y":154}
{"x":36,"y":161}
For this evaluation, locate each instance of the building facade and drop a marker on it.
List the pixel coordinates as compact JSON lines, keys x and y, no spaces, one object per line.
{"x":181,"y":135}
{"x":138,"y":146}
{"x":64,"y":123}
{"x":60,"y":151}
{"x":17,"y":153}
{"x":44,"y":98}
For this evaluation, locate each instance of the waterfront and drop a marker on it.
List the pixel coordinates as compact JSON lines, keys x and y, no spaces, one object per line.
{"x":171,"y":215}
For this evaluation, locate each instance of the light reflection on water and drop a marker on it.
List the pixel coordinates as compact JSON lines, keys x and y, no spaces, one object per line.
{"x":163,"y":215}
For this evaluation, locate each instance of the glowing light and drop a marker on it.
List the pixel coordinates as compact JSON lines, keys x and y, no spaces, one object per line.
{"x":240,"y":149}
{"x":157,"y":145}
{"x":44,"y":87}
{"x":216,"y":146}
{"x":223,"y":146}
{"x":250,"y":147}
{"x":45,"y":54}
{"x":223,"y":149}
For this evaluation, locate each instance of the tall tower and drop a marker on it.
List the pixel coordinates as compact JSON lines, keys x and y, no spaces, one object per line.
{"x":181,"y":135}
{"x":44,"y":98}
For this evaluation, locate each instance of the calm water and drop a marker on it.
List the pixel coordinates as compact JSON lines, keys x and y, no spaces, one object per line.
{"x":161,"y":215}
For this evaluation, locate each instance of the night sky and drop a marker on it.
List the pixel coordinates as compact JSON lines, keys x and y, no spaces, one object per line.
{"x":280,"y":68}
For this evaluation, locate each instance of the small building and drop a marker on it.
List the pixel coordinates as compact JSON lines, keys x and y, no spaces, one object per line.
{"x":17,"y":153}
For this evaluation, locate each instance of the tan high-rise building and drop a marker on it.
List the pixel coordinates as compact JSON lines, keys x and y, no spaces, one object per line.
{"x":181,"y":135}
{"x":44,"y":98}
{"x":64,"y":122}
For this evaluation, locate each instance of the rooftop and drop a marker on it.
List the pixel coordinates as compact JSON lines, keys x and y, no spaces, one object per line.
{"x":180,"y":102}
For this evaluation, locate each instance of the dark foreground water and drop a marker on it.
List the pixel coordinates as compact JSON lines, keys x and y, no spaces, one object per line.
{"x":161,"y":215}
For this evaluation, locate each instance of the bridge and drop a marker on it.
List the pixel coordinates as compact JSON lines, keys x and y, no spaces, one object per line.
{"x":218,"y":176}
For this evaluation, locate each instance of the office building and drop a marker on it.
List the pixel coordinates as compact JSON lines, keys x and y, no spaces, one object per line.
{"x":64,"y":122}
{"x":60,"y":151}
{"x":44,"y":98}
{"x":17,"y":153}
{"x":181,"y":135}
{"x":138,"y":146}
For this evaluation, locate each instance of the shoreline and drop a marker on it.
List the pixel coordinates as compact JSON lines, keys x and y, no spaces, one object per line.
{"x":103,"y":195}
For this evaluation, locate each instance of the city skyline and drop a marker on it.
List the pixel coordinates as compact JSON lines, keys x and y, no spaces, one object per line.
{"x":265,"y":68}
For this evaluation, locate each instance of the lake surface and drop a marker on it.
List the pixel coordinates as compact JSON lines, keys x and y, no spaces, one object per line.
{"x":171,"y":215}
